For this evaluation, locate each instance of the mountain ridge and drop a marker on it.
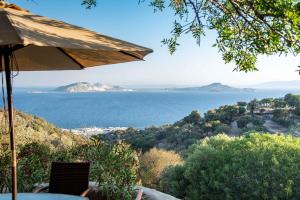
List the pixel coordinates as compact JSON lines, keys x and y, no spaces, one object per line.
{"x":213,"y":87}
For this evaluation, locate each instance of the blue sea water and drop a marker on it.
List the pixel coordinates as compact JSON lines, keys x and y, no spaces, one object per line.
{"x":125,"y":109}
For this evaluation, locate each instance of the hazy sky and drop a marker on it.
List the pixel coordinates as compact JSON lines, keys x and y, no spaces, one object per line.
{"x":127,"y":20}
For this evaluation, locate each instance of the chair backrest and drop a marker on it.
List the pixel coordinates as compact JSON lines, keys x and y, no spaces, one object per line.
{"x":69,"y":178}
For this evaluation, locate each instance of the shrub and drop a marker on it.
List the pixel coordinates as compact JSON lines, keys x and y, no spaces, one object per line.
{"x":173,"y":180}
{"x":243,"y":121}
{"x":258,"y":121}
{"x":242,"y":110}
{"x":297,"y":111}
{"x":154,"y":162}
{"x":4,"y":168}
{"x":193,"y":118}
{"x":255,"y":166}
{"x":222,"y":128}
{"x":33,"y":166}
{"x":114,"y":168}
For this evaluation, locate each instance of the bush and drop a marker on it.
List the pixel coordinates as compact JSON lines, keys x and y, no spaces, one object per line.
{"x":173,"y":181}
{"x":258,"y":121}
{"x":297,"y":111}
{"x":243,"y":121}
{"x":255,"y":166}
{"x":222,"y":128}
{"x":113,"y":167}
{"x":154,"y":162}
{"x":33,"y":166}
{"x":4,"y":168}
{"x":193,"y":118}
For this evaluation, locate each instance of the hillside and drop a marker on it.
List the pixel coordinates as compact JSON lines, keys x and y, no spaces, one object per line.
{"x":279,"y":115}
{"x":30,"y":128}
{"x":88,"y":87}
{"x":214,"y":87}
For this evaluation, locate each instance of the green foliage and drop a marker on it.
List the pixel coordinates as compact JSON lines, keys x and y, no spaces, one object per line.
{"x":245,"y":29}
{"x":252,"y":106}
{"x":292,"y":100}
{"x":33,"y":164}
{"x":282,"y":117}
{"x":185,"y":132}
{"x":242,"y":110}
{"x":89,"y":3}
{"x":255,"y":166}
{"x":243,"y":121}
{"x":114,"y":168}
{"x":257,"y":121}
{"x":297,"y":111}
{"x":193,"y":118}
{"x":169,"y":137}
{"x":225,"y":114}
{"x":279,"y":103}
{"x":242,"y":103}
{"x":173,"y":181}
{"x":4,"y":168}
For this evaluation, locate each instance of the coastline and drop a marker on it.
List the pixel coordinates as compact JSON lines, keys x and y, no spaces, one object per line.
{"x":90,"y":131}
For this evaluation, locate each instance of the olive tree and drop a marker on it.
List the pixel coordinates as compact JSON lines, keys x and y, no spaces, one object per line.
{"x":245,"y":29}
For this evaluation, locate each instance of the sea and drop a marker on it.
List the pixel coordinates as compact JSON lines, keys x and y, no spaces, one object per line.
{"x":139,"y":109}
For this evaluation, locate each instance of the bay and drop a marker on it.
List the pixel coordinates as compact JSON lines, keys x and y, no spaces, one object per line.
{"x":125,"y":109}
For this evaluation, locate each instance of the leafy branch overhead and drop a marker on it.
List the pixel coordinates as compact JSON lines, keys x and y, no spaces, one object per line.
{"x":245,"y":28}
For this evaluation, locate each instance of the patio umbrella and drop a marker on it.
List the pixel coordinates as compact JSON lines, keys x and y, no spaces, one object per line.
{"x":29,"y":42}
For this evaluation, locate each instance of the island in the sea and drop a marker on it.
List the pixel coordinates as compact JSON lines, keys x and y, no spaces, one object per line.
{"x":89,"y":87}
{"x":214,"y":87}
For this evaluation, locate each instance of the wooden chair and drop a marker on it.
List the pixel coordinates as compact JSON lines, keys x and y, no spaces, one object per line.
{"x":68,"y":178}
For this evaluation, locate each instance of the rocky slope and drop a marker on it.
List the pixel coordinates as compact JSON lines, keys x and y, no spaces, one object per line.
{"x":88,"y":87}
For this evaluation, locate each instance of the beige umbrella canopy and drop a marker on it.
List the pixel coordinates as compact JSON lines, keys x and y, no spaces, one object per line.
{"x":46,"y":44}
{"x":30,"y":42}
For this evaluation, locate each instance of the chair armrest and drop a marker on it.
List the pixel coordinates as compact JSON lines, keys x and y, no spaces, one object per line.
{"x":42,"y":189}
{"x":139,"y":194}
{"x":86,"y":192}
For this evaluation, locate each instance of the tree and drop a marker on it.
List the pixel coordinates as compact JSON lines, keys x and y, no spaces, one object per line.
{"x":228,"y":113}
{"x":242,"y":103}
{"x":252,"y":106}
{"x":245,"y":29}
{"x":243,"y":121}
{"x":279,"y":103}
{"x":193,"y":118}
{"x":292,"y":100}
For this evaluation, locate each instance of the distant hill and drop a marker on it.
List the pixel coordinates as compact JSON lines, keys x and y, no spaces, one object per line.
{"x":88,"y":87}
{"x":30,"y":128}
{"x":214,"y":87}
{"x":279,"y":85}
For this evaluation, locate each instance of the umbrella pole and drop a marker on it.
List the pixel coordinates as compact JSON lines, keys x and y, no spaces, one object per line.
{"x":7,"y":67}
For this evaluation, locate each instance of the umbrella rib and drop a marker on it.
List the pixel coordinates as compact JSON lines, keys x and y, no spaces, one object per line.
{"x":73,"y":59}
{"x":132,"y":55}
